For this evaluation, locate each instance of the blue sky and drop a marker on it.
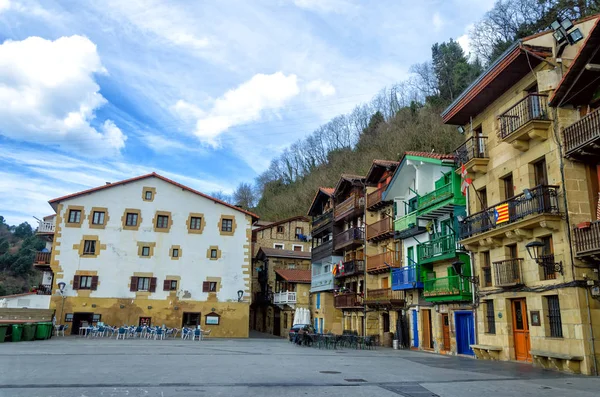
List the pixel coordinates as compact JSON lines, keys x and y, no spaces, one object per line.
{"x":204,"y":92}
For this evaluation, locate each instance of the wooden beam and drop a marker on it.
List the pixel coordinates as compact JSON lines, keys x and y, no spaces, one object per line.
{"x":593,"y":67}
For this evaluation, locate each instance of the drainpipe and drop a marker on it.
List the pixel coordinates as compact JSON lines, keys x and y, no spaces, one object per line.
{"x":569,"y":236}
{"x":365,"y":259}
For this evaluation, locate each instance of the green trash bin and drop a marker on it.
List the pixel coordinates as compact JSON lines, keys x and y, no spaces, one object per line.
{"x":41,"y":332}
{"x":3,"y":328}
{"x":17,"y":330}
{"x":28,"y":332}
{"x":49,"y":328}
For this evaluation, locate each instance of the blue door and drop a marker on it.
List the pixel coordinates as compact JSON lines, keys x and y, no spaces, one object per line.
{"x":316,"y":325}
{"x":465,"y":332}
{"x":415,"y":329}
{"x":321,"y":327}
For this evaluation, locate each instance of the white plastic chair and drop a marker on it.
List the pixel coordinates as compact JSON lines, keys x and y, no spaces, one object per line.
{"x":197,"y":334}
{"x":121,"y":333}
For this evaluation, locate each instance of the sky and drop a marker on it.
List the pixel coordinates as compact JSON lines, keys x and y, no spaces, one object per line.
{"x":202,"y":92}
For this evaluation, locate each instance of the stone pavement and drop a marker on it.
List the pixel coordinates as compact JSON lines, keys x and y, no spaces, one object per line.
{"x":78,"y":367}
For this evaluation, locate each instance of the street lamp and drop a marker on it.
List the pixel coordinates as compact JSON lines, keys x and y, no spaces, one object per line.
{"x":240,"y":295}
{"x":535,"y":249}
{"x":458,"y":269}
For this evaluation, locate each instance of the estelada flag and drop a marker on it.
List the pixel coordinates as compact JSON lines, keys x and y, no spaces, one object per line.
{"x":334,"y":269}
{"x":501,"y":213}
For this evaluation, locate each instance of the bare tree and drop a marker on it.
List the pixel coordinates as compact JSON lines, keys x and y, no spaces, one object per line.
{"x":245,"y":195}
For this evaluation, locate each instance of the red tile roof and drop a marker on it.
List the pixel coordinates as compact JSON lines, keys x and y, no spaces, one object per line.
{"x":294,"y":275}
{"x":327,"y":190}
{"x":152,"y":175}
{"x":437,"y":156}
{"x":386,"y":163}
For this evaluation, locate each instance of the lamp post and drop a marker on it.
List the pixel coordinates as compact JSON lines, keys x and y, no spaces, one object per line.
{"x":535,"y":249}
{"x":458,"y":269}
{"x":61,"y":291}
{"x":240,"y":294}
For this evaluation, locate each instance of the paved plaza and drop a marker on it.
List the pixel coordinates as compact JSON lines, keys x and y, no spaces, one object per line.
{"x":265,"y":367}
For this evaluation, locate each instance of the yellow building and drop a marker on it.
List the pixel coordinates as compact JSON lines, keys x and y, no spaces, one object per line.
{"x":277,"y":297}
{"x":533,"y":304}
{"x":383,"y":254}
{"x":290,"y":238}
{"x":149,"y":251}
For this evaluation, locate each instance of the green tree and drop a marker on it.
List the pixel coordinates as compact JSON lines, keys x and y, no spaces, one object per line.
{"x":452,"y":70}
{"x":4,"y":246}
{"x":24,"y":230}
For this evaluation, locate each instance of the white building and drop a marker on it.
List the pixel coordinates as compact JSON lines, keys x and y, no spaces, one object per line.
{"x":149,"y":250}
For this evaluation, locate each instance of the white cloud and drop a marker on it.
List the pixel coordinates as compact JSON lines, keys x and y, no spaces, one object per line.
{"x":4,"y":5}
{"x":163,"y":144}
{"x":437,"y":21}
{"x":324,"y":88}
{"x":465,"y":41}
{"x":49,"y":94}
{"x":246,"y":103}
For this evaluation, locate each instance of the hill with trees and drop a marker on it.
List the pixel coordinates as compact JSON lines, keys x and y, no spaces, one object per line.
{"x":18,"y":245}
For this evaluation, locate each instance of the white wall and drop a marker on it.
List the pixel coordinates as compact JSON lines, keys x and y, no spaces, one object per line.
{"x":31,"y":301}
{"x":117,"y":263}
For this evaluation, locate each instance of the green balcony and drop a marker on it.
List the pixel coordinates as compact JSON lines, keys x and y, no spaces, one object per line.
{"x":405,"y":222}
{"x":443,"y":199}
{"x":437,"y":249}
{"x":444,"y":289}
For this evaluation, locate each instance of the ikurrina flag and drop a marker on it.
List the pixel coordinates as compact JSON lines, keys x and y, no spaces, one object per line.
{"x":501,"y":213}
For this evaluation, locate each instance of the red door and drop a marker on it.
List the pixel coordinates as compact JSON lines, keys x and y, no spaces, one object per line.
{"x":521,"y":330}
{"x":446,"y":332}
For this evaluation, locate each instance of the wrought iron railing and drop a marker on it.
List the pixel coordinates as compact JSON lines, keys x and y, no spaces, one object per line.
{"x":385,"y":260}
{"x":587,"y":240}
{"x":344,"y":238}
{"x":374,"y":197}
{"x":473,"y":148}
{"x":446,"y":286}
{"x":508,"y":272}
{"x":581,"y":132}
{"x":532,"y":107}
{"x":43,"y":290}
{"x":541,"y":199}
{"x":43,"y":258}
{"x":379,"y":228}
{"x":437,"y":247}
{"x":322,"y":220}
{"x":347,"y":300}
{"x":351,"y":268}
{"x":407,"y":277}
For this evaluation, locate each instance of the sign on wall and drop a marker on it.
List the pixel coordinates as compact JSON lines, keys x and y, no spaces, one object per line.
{"x":212,"y":319}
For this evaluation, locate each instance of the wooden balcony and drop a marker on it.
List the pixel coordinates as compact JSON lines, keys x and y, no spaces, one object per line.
{"x":507,"y":273}
{"x":538,"y":207}
{"x":322,"y":222}
{"x":582,"y":138}
{"x":349,"y":239}
{"x":526,"y":120}
{"x":442,"y":200}
{"x":352,"y":206}
{"x":42,"y":259}
{"x":347,"y":300}
{"x":382,"y":263}
{"x":380,"y":230}
{"x":354,"y":267}
{"x":439,"y":248}
{"x":284,"y":298}
{"x":322,"y":251}
{"x":384,"y":297}
{"x":473,"y":155}
{"x":374,"y":200}
{"x":407,"y":226}
{"x":443,"y":289}
{"x":46,"y":227}
{"x":407,"y":277}
{"x":587,"y":241}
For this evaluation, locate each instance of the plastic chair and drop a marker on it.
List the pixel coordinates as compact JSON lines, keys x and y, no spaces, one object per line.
{"x":185,"y":333}
{"x":206,"y":333}
{"x":122,"y":333}
{"x":159,"y":334}
{"x":197,"y":334}
{"x":61,"y":329}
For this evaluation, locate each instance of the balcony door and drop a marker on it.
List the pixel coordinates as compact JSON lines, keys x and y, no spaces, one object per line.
{"x":521,"y":330}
